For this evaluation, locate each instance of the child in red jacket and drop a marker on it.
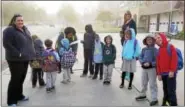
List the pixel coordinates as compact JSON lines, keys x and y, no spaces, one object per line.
{"x":167,"y":69}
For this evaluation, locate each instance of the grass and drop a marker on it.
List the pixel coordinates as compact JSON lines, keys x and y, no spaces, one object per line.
{"x":179,"y":36}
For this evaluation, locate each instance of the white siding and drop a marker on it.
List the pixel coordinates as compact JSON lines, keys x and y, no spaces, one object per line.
{"x":164,"y":21}
{"x":153,"y":23}
{"x":178,"y":17}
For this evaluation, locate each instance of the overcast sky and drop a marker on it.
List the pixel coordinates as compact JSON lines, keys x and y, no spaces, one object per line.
{"x":52,"y":7}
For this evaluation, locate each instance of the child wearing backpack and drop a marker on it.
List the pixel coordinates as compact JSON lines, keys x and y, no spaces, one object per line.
{"x":67,"y":60}
{"x":51,"y":60}
{"x":70,"y":34}
{"x":109,"y":56}
{"x":37,"y":73}
{"x":130,"y":53}
{"x":98,"y":57}
{"x":169,"y":61}
{"x":148,"y":62}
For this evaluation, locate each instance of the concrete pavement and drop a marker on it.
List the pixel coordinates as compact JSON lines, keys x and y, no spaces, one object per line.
{"x":86,"y":92}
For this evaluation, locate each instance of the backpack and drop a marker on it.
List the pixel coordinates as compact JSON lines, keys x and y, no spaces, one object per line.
{"x":50,"y":63}
{"x":35,"y":64}
{"x":179,"y":55}
{"x":58,"y":44}
{"x":68,"y":59}
{"x":135,"y":44}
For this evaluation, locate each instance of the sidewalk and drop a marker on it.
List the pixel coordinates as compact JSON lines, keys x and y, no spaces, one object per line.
{"x":86,"y":92}
{"x":80,"y":92}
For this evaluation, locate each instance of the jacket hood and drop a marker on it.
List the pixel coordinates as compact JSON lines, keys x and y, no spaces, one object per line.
{"x":97,"y":37}
{"x":65,"y":43}
{"x":88,"y":28}
{"x":164,"y":39}
{"x":108,"y":37}
{"x":133,"y":34}
{"x":149,"y":36}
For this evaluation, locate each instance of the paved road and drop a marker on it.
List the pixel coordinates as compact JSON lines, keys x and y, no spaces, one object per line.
{"x":86,"y":92}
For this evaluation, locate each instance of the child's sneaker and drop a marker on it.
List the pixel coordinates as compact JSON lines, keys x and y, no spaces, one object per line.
{"x":42,"y":85}
{"x":33,"y":86}
{"x":108,"y":82}
{"x":24,"y":98}
{"x":153,"y":103}
{"x":13,"y":105}
{"x":121,"y":86}
{"x":64,"y":82}
{"x":94,"y":77}
{"x":90,"y":76}
{"x":83,"y":75}
{"x":101,"y":78}
{"x":129,"y":87}
{"x":165,"y":103}
{"x":139,"y":98}
{"x":48,"y":90}
{"x":105,"y":82}
{"x":68,"y":80}
{"x":53,"y":88}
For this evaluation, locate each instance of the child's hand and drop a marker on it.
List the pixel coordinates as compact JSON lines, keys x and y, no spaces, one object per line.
{"x":146,"y":64}
{"x":159,"y":77}
{"x":171,"y":74}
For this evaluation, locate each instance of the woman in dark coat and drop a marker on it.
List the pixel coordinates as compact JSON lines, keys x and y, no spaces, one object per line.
{"x":128,"y":23}
{"x":19,"y":50}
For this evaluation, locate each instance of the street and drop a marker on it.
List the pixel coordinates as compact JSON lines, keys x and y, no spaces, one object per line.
{"x":84,"y":91}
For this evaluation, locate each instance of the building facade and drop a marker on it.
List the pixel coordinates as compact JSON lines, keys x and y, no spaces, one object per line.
{"x":154,"y":16}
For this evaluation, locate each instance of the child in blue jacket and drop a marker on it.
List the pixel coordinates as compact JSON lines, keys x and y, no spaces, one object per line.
{"x":148,"y":63}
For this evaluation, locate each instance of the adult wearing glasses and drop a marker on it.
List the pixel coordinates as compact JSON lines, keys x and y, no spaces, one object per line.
{"x":19,"y":50}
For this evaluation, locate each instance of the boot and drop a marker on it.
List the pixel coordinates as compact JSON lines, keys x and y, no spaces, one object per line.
{"x":130,"y":82}
{"x":123,"y":80}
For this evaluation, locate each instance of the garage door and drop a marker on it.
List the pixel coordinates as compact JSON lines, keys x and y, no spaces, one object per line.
{"x":163,"y":23}
{"x":177,"y":18}
{"x":153,"y":23}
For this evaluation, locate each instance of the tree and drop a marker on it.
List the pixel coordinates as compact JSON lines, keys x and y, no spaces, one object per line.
{"x":30,"y":11}
{"x":68,"y":14}
{"x":104,"y":16}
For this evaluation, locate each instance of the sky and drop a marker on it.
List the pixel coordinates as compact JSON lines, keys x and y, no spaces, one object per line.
{"x":52,"y":7}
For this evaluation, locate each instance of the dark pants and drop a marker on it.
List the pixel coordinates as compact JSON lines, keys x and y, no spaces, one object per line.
{"x":71,"y":69}
{"x":18,"y":72}
{"x":131,"y":78}
{"x":98,"y":67}
{"x":169,"y":90}
{"x":88,"y":57}
{"x":37,"y":74}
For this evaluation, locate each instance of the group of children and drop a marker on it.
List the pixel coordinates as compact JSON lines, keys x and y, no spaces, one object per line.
{"x":51,"y":60}
{"x":103,"y":56}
